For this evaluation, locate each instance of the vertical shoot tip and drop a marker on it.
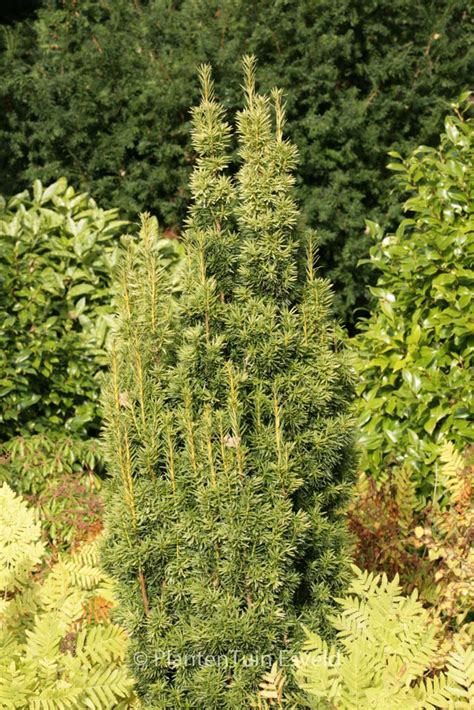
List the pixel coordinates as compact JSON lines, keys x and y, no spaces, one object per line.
{"x":279,"y":105}
{"x":249,"y":64}
{"x":144,"y":218}
{"x":310,"y":256}
{"x":148,"y":229}
{"x":207,"y":85}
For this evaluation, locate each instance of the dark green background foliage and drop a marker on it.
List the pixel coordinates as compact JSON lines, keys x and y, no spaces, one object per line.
{"x":57,"y":249}
{"x":228,"y":430}
{"x":13,"y":10}
{"x":415,"y":352}
{"x":99,"y":91}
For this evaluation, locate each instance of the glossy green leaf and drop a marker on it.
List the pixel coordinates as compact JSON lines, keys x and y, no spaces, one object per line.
{"x":424,"y":334}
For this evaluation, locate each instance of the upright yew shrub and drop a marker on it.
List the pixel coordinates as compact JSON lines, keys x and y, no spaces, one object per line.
{"x":228,"y":432}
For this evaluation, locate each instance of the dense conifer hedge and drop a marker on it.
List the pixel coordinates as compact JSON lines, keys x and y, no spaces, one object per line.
{"x":99,"y":92}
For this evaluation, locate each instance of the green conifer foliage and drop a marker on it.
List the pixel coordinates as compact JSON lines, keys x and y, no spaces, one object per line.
{"x":99,"y":92}
{"x":228,"y":430}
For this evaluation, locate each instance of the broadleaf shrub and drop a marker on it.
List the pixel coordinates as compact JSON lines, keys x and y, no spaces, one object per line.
{"x":415,"y":352}
{"x":59,"y":476}
{"x":27,"y":463}
{"x":57,"y":250}
{"x":99,"y":92}
{"x":71,"y":511}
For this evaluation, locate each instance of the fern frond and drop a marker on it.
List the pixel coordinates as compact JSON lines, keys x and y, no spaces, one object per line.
{"x":405,"y":496}
{"x":84,"y":576}
{"x":21,"y":548}
{"x":16,"y":685}
{"x":44,"y":639}
{"x":387,"y":646}
{"x":101,"y":644}
{"x":451,"y":470}
{"x":105,"y":687}
{"x":59,"y":696}
{"x":460,"y":672}
{"x":431,"y":692}
{"x":54,"y":655}
{"x":272,"y":686}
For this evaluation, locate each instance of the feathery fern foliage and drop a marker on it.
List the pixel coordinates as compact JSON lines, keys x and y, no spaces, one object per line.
{"x":385,"y":643}
{"x":228,"y":431}
{"x":58,"y":648}
{"x":429,"y":546}
{"x":444,"y":538}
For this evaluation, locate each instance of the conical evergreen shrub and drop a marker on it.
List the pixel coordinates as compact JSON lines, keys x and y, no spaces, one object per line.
{"x":228,"y":430}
